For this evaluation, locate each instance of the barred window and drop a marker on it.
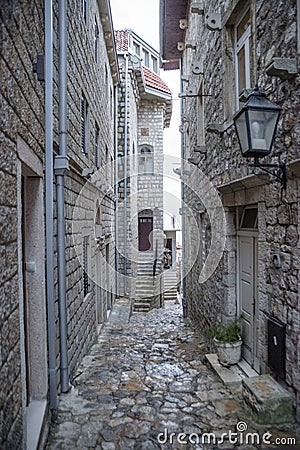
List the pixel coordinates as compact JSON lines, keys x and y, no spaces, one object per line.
{"x":84,"y":112}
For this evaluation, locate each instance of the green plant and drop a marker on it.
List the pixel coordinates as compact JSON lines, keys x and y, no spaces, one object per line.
{"x":231,"y":332}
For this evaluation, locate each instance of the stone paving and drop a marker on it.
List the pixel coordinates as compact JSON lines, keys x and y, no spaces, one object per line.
{"x":145,"y":385}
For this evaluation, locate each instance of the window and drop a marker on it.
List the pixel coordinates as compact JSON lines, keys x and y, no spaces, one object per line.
{"x":96,"y":38}
{"x":111,"y":102}
{"x":97,"y":132}
{"x":146,"y":160}
{"x":86,"y":264}
{"x":249,"y":217}
{"x":137,"y":49}
{"x":200,"y":117}
{"x":107,"y":165}
{"x":84,"y":112}
{"x":112,"y":172}
{"x":154,"y":64}
{"x":242,"y":56}
{"x":83,"y":6}
{"x":146,"y":58}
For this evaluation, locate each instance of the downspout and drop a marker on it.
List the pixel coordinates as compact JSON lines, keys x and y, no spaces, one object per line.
{"x":183,"y":280}
{"x":48,"y":18}
{"x":116,"y":192}
{"x":125,"y":174}
{"x":60,"y":166}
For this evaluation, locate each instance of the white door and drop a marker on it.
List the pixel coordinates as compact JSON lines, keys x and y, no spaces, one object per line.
{"x":247,"y":284}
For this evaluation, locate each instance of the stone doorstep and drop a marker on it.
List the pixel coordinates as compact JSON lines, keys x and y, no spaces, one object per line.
{"x":268,"y":401}
{"x":231,"y":376}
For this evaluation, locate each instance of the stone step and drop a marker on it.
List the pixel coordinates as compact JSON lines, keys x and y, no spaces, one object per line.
{"x":170,"y":295}
{"x":268,"y":401}
{"x":140,"y":306}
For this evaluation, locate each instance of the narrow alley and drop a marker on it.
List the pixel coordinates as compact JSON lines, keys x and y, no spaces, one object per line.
{"x":146,"y":385}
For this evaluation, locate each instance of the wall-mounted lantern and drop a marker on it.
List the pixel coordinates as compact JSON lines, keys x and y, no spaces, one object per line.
{"x":256,"y":125}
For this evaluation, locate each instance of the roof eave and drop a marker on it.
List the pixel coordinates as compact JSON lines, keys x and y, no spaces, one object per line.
{"x":109,"y":37}
{"x":171,"y":11}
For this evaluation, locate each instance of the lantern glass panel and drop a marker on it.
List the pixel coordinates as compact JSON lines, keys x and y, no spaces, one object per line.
{"x":262,"y":126}
{"x":241,"y":129}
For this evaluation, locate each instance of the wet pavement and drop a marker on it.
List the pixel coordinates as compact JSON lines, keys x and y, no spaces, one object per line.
{"x":145,"y":385}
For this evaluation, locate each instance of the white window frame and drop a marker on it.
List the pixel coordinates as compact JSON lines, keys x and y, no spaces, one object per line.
{"x":146,"y":160}
{"x":243,"y":42}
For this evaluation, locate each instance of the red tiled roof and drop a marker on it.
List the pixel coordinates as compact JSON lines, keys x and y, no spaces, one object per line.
{"x":121,"y":40}
{"x":151,"y":78}
{"x":154,"y":81}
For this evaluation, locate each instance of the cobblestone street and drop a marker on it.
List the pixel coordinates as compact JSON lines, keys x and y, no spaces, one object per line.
{"x":144,"y":380}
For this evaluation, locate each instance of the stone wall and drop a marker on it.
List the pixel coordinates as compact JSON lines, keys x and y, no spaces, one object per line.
{"x":150,"y":187}
{"x":127,"y":240}
{"x":273,"y":34}
{"x":22,"y":157}
{"x":83,"y":199}
{"x":21,"y":115}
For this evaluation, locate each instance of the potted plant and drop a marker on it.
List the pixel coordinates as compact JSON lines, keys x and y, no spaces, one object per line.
{"x":228,"y":342}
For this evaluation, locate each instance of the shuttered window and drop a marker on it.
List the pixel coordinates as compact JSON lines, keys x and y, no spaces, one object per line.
{"x":84,"y":111}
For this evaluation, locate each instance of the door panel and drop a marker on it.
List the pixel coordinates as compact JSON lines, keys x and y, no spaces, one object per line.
{"x":247,"y":294}
{"x":145,"y":229}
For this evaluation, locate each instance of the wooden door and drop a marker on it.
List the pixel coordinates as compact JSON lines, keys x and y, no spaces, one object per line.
{"x":145,"y":229}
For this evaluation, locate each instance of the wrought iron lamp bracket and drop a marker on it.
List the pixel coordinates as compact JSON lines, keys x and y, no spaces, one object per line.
{"x":279,"y":170}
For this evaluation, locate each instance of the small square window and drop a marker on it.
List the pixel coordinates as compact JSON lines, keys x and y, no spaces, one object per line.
{"x":249,"y":218}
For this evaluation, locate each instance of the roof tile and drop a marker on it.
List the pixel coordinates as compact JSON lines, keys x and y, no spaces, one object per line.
{"x":154,"y":81}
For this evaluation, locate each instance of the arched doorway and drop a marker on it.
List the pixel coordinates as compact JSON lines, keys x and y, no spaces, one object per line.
{"x":145,"y":229}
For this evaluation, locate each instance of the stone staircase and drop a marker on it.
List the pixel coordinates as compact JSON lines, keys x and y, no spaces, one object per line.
{"x":170,"y":284}
{"x":145,"y":288}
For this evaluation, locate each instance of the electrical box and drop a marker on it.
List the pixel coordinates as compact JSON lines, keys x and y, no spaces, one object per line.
{"x":276,"y":346}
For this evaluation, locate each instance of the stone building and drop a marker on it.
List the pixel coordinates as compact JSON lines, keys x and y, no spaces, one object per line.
{"x":144,"y":112}
{"x":57,"y":209}
{"x":224,"y":49}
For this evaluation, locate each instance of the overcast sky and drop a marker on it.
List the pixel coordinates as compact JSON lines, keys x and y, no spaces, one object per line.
{"x":142,"y":16}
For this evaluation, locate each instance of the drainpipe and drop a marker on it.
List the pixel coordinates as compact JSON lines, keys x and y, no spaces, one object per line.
{"x":125,"y":174}
{"x":60,"y":166}
{"x":48,"y":17}
{"x":116,"y":192}
{"x":183,"y":280}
